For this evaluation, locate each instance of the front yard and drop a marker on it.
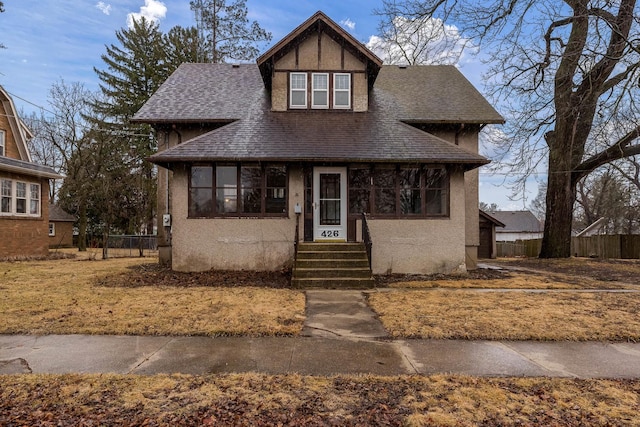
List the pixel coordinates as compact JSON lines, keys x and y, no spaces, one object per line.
{"x":132,"y":296}
{"x":135,"y":296}
{"x":71,"y":296}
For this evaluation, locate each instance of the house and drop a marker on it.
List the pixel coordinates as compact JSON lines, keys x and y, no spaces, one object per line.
{"x":60,"y":227}
{"x":24,"y":189}
{"x":297,"y":147}
{"x":488,"y":224}
{"x":518,"y":225}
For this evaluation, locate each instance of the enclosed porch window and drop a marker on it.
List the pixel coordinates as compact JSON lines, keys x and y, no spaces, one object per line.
{"x":237,"y":190}
{"x":399,"y":191}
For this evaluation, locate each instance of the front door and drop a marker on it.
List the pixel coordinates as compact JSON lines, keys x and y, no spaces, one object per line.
{"x":330,"y":206}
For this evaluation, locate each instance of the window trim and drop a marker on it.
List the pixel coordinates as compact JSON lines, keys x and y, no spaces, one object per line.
{"x":314,"y":90}
{"x":336,"y":90}
{"x":52,"y":229}
{"x":13,"y":198}
{"x":292,"y":89}
{"x":3,"y":143}
{"x":264,"y":191}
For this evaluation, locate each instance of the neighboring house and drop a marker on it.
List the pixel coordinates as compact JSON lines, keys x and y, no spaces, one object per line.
{"x":488,"y":224}
{"x":518,"y":225}
{"x":60,"y":227}
{"x":24,"y":189}
{"x":321,"y":128}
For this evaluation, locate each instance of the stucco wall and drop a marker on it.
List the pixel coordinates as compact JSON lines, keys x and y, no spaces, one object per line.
{"x":467,"y":138}
{"x":422,"y":246}
{"x":231,"y":243}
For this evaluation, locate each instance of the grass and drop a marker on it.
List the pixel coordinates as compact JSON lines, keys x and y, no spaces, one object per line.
{"x":509,"y":281}
{"x":548,"y":316}
{"x":256,"y":399}
{"x":60,"y":297}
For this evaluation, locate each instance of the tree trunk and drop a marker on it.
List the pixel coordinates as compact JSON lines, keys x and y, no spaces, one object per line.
{"x":561,"y":195}
{"x":82,"y":225}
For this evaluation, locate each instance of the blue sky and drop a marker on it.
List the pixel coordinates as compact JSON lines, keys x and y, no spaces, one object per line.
{"x":50,"y":40}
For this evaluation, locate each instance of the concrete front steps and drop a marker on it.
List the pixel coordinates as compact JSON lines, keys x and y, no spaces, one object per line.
{"x":332,"y":265}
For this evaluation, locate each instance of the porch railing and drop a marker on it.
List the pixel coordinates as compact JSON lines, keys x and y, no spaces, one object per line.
{"x":296,"y":239}
{"x":366,"y":237}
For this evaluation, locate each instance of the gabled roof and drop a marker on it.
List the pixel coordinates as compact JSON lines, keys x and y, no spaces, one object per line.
{"x":518,"y":221}
{"x":19,"y":130}
{"x":318,"y":22}
{"x":57,"y":214}
{"x":27,"y":168}
{"x":490,"y":218}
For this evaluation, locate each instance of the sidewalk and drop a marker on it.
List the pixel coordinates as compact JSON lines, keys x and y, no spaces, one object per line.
{"x":341,"y":336}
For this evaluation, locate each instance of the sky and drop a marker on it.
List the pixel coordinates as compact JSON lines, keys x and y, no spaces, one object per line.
{"x":52,"y":40}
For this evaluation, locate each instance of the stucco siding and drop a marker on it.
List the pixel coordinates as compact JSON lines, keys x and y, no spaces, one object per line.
{"x":422,"y":246}
{"x":231,"y":243}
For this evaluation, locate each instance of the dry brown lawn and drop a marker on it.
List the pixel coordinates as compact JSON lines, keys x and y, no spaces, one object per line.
{"x":61,"y":297}
{"x":505,"y":281}
{"x":514,"y":315}
{"x":256,"y":399}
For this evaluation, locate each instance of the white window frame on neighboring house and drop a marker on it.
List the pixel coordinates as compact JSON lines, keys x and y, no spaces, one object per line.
{"x":52,"y":229}
{"x":2,"y":143}
{"x":318,"y":88}
{"x":297,"y":85}
{"x":12,"y":191}
{"x":337,"y":89}
{"x":6,"y":197}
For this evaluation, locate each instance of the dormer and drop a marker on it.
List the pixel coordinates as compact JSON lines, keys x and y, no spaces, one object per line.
{"x":319,"y":66}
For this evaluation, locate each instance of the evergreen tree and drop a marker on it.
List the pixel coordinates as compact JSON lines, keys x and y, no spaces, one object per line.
{"x":135,"y":69}
{"x":181,"y":45}
{"x":225,"y":31}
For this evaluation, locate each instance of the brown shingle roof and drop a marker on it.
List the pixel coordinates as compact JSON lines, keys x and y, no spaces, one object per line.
{"x":57,"y":214}
{"x":435,"y":94}
{"x":222,"y":92}
{"x":318,"y":136}
{"x":203,"y":93}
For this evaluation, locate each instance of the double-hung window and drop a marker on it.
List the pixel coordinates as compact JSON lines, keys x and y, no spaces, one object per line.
{"x":298,"y":90}
{"x":34,"y":200}
{"x":19,"y":198}
{"x":6,"y":205}
{"x":341,"y":90}
{"x":2,"y":143}
{"x":320,"y":90}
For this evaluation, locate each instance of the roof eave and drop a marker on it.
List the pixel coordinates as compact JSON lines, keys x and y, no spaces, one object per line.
{"x":32,"y":172}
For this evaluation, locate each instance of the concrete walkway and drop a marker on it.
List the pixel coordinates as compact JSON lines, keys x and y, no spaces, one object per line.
{"x":341,"y":335}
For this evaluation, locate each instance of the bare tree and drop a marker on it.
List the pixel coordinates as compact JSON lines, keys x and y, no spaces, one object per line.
{"x":561,"y":70}
{"x":413,"y":41}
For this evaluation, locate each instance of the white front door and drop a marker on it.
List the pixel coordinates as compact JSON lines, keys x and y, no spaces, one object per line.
{"x":330,"y":204}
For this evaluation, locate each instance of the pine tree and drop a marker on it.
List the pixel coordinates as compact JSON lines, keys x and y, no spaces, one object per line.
{"x":225,"y":31}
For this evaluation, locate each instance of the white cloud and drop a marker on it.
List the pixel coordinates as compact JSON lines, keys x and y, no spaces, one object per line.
{"x":420,"y":41}
{"x":348,"y":23}
{"x":105,"y":8}
{"x":153,"y":10}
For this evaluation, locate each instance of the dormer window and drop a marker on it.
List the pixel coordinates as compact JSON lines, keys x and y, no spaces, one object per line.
{"x":341,"y":90}
{"x":328,"y":90}
{"x":320,"y":88}
{"x":298,"y":96}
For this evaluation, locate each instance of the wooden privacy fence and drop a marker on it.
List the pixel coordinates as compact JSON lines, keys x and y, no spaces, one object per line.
{"x":621,"y":246}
